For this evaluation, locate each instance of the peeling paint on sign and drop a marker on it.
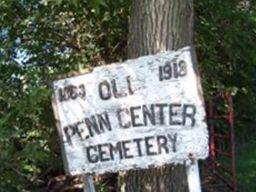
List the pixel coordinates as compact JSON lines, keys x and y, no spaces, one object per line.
{"x":139,"y":113}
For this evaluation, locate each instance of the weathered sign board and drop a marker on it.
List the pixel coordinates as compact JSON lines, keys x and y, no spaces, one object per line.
{"x":142,"y":112}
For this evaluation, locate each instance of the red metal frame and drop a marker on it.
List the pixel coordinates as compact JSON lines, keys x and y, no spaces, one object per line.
{"x":217,"y":168}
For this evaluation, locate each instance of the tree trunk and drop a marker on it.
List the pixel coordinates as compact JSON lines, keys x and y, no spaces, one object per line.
{"x":158,"y":25}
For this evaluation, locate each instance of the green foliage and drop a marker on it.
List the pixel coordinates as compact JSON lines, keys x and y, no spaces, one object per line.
{"x":246,"y":166}
{"x":46,"y":39}
{"x":225,"y":36}
{"x":40,"y":40}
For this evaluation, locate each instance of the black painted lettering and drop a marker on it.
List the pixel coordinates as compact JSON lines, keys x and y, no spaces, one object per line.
{"x":175,"y":70}
{"x":122,"y":116}
{"x":72,"y":91}
{"x":115,"y":149}
{"x":165,"y":72}
{"x":92,"y":125}
{"x":69,"y":131}
{"x":62,"y":95}
{"x":135,"y":117}
{"x":102,"y":152}
{"x":172,"y":69}
{"x":161,"y":112}
{"x":148,"y":115}
{"x":126,"y":149}
{"x":82,"y":91}
{"x":173,"y":108}
{"x":92,"y":158}
{"x":182,"y":68}
{"x":80,"y":130}
{"x":115,"y":91}
{"x":160,"y":70}
{"x":104,"y":122}
{"x":131,"y":91}
{"x":162,"y":144}
{"x":149,"y":146}
{"x":138,"y":143}
{"x":104,"y":90}
{"x":173,"y":140}
{"x":189,"y":111}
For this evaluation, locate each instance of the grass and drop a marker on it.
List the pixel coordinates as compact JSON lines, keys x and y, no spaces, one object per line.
{"x":246,"y":166}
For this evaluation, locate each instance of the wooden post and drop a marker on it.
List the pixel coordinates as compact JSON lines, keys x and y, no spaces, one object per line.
{"x":88,"y":183}
{"x":194,"y":184}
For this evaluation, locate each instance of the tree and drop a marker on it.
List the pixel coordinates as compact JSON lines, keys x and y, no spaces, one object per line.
{"x":60,"y":36}
{"x":158,"y":26}
{"x":44,"y":40}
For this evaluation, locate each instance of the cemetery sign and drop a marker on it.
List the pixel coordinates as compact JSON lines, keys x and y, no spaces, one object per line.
{"x":142,"y":112}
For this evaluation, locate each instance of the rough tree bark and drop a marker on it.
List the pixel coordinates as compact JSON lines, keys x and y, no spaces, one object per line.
{"x":158,"y":25}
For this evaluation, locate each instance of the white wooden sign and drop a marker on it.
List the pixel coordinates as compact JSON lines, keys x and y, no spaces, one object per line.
{"x":139,"y":113}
